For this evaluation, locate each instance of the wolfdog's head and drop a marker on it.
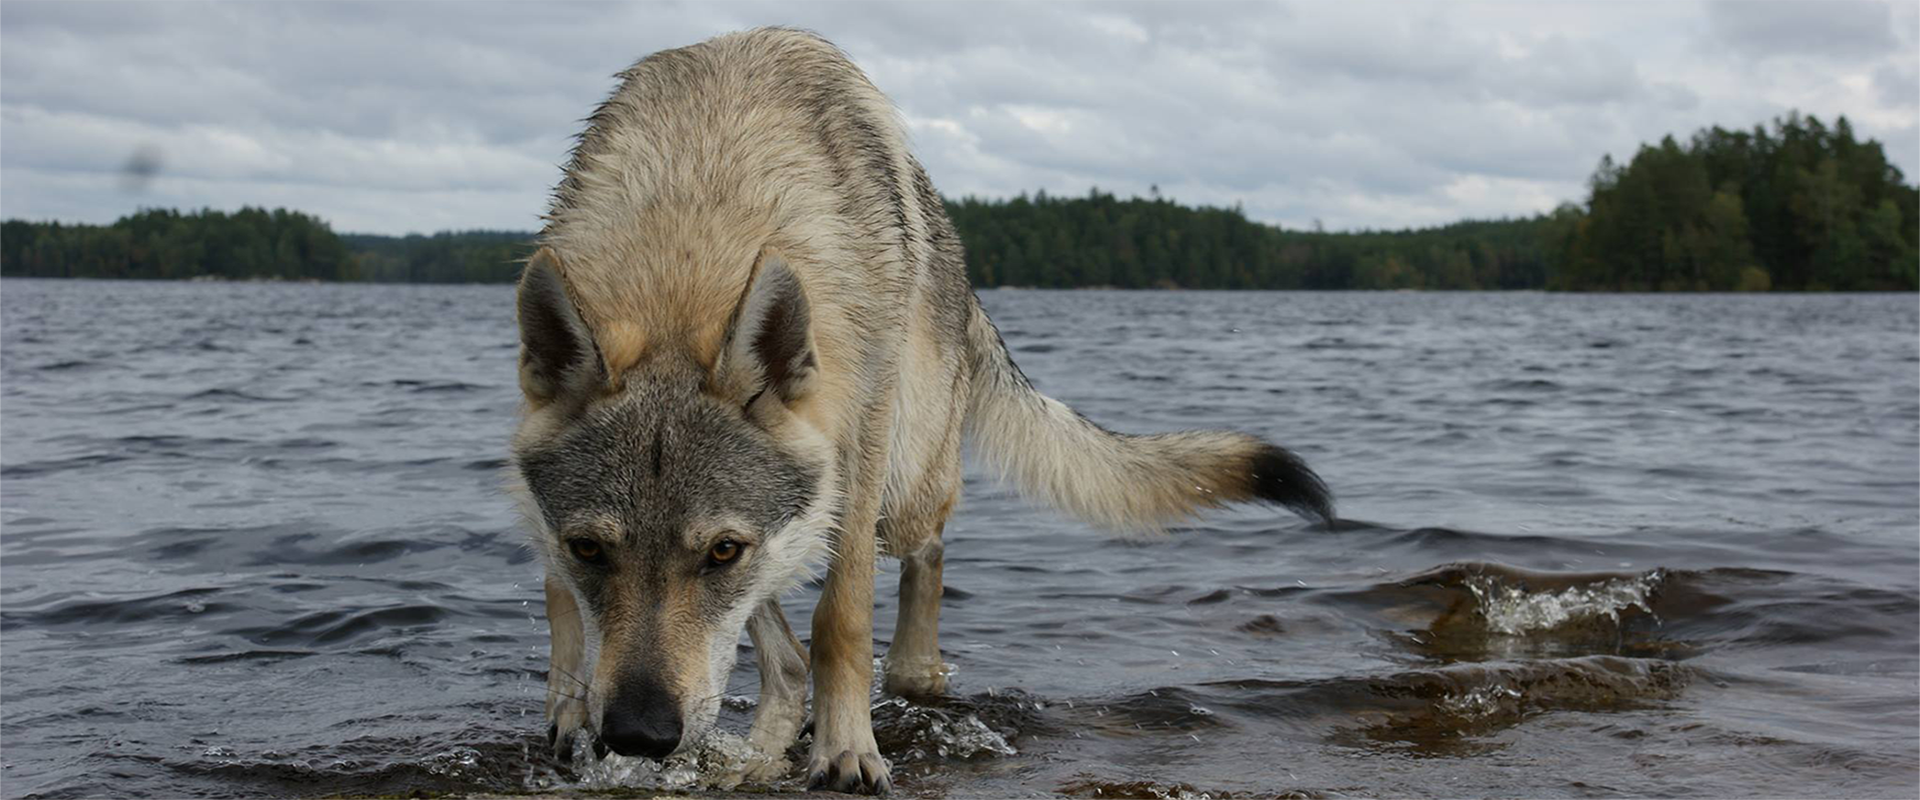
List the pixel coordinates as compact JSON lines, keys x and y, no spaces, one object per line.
{"x":671,"y":499}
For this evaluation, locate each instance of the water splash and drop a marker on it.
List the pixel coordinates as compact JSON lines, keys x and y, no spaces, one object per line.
{"x":1512,"y":610}
{"x":452,"y":762}
{"x":722,"y":761}
{"x":922,"y":733}
{"x":1481,"y":702}
{"x":953,"y":729}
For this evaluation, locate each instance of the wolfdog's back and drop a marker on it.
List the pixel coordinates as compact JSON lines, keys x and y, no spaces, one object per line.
{"x":706,"y":156}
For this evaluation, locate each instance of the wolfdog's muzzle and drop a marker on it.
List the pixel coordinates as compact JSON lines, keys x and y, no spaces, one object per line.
{"x":641,"y":719}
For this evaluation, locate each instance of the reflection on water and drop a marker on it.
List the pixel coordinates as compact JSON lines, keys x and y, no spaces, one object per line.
{"x":254,"y":544}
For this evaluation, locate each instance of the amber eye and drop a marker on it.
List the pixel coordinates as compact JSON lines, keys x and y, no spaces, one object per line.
{"x":585,"y":549}
{"x":724,"y":552}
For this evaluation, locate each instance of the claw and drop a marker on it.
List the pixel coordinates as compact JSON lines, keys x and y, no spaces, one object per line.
{"x":560,"y":745}
{"x":849,"y":773}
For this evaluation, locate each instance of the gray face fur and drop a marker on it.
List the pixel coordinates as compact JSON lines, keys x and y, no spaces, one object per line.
{"x":662,"y":456}
{"x":632,"y":482}
{"x":654,"y":478}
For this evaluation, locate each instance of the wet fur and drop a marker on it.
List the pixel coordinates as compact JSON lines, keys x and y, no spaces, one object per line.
{"x":751,"y":317}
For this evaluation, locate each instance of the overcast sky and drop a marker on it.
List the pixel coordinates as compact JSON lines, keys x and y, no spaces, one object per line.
{"x":423,"y":116}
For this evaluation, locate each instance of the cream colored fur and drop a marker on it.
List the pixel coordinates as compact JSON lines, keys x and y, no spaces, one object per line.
{"x":706,"y":162}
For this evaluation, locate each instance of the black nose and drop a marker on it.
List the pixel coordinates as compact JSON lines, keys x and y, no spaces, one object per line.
{"x":641,"y":720}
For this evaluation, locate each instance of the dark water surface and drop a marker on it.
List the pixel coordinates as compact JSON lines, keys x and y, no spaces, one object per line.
{"x":255,"y":545}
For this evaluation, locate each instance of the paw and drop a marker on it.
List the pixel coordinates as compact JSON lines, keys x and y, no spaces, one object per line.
{"x":560,"y":744}
{"x":776,"y":726}
{"x":850,"y":771}
{"x":769,"y":761}
{"x":566,"y":719}
{"x":917,"y":678}
{"x":765,"y":768}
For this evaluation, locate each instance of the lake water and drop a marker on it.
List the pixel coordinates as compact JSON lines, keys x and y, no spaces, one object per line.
{"x":254,"y":544}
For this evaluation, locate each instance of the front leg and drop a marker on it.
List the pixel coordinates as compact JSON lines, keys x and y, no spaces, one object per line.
{"x":566,"y":687}
{"x":845,"y":757}
{"x":783,"y":689}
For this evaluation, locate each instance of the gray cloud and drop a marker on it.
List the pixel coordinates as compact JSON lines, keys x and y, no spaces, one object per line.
{"x":1771,"y":28}
{"x":1898,"y":84}
{"x":422,"y":116}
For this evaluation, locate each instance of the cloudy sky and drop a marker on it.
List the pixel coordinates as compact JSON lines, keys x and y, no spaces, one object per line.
{"x":422,"y":116}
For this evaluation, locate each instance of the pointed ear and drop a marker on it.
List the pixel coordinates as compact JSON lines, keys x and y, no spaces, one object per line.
{"x":557,"y":354}
{"x":770,"y":348}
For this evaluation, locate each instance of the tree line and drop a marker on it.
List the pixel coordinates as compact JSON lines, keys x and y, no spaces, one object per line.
{"x":163,"y":244}
{"x":1101,"y":240}
{"x":1796,"y":206}
{"x":1800,"y":206}
{"x":448,"y":257}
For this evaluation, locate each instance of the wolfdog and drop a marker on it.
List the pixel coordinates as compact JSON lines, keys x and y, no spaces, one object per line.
{"x":749,"y":348}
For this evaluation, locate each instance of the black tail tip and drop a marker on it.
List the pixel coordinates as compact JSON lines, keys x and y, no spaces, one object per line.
{"x":1278,"y":476}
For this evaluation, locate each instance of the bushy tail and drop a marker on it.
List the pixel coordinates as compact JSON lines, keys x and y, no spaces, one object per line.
{"x":1114,"y":479}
